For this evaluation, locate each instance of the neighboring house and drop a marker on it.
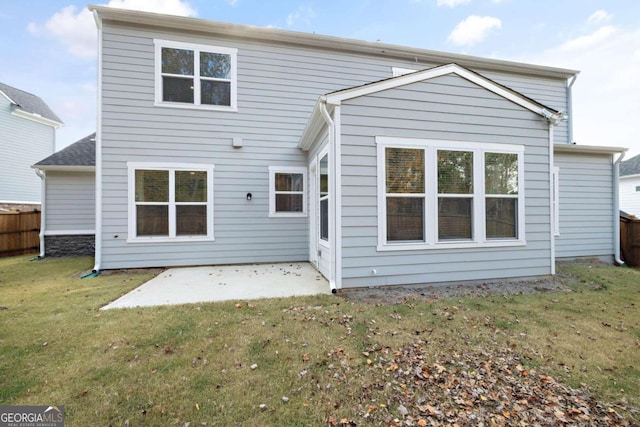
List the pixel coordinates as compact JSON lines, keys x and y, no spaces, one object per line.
{"x":27,"y":134}
{"x":69,"y":199}
{"x":630,"y":186}
{"x":221,"y":143}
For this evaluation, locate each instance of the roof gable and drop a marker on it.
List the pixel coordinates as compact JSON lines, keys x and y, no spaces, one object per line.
{"x":316,"y":120}
{"x":80,"y":154}
{"x":30,"y":104}
{"x":335,"y":98}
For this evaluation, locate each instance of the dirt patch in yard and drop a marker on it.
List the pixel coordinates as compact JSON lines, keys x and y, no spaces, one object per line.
{"x":430,"y":292}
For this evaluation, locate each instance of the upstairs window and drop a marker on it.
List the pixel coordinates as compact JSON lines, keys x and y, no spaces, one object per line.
{"x":195,"y":76}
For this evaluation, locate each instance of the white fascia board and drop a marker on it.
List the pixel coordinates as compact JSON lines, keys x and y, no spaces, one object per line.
{"x":35,"y":117}
{"x":139,"y":18}
{"x":69,"y":232}
{"x":587,"y":149}
{"x":64,"y":168}
{"x":314,"y":125}
{"x":337,"y":97}
{"x":629,"y":177}
{"x":8,"y":98}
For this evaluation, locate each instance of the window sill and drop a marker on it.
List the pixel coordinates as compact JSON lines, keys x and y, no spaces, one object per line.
{"x":185,"y":106}
{"x":287,"y":215}
{"x":449,"y":245}
{"x":164,"y":239}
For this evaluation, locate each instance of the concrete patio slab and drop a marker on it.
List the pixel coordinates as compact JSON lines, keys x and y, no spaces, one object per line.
{"x":222,"y":283}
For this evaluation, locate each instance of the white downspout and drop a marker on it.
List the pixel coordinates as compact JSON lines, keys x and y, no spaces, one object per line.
{"x":616,"y":210}
{"x":98,"y":241}
{"x":43,"y":199}
{"x":552,"y":232}
{"x":570,"y":108}
{"x":327,"y":118}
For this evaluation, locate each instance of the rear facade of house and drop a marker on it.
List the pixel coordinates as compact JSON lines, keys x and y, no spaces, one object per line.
{"x":222,"y":144}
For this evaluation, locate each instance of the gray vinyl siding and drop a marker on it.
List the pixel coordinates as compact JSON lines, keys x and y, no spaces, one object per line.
{"x":586,"y":206}
{"x":445,"y":108}
{"x":70,"y":202}
{"x":278,"y":87}
{"x":23,"y":142}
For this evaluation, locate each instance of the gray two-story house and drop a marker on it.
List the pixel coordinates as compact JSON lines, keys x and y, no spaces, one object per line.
{"x":220,"y":143}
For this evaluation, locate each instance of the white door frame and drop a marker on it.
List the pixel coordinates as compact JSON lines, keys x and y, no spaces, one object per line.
{"x":320,"y":251}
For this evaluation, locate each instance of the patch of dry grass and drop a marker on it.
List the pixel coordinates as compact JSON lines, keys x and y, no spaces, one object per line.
{"x":294,"y":361}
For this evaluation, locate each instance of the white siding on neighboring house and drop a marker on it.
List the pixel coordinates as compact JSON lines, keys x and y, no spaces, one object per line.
{"x":630,"y":194}
{"x":445,"y":108}
{"x":23,"y":142}
{"x":586,"y":205}
{"x":70,"y":203}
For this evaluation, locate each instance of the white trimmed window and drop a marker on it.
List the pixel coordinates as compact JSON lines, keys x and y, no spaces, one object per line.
{"x":195,"y":76}
{"x":287,"y":195}
{"x":170,"y":202}
{"x":449,"y":194}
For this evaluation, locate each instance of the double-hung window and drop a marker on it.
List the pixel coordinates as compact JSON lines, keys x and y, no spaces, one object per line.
{"x":449,"y":194}
{"x":287,"y":195}
{"x":170,"y":202}
{"x":195,"y":76}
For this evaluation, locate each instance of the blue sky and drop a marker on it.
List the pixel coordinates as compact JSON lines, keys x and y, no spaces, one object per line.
{"x":47,"y":47}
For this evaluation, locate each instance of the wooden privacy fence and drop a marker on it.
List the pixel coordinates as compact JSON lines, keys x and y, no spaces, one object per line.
{"x":630,"y":239}
{"x":19,"y":233}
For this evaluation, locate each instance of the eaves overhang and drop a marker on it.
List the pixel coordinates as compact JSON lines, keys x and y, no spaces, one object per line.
{"x":64,"y":168}
{"x":18,"y":112}
{"x":424,"y":56}
{"x":587,"y":149}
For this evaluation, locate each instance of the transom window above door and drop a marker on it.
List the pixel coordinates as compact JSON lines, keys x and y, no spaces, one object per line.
{"x":195,"y":76}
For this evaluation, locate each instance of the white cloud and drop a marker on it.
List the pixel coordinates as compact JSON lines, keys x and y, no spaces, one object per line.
{"x":232,"y":2}
{"x":606,"y":107}
{"x":304,"y":14}
{"x":451,"y":3}
{"x":599,"y":16}
{"x":77,"y":29}
{"x":590,"y":40}
{"x":473,"y":30}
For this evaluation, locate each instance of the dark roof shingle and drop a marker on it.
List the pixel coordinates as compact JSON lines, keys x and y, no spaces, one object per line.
{"x":630,"y":167}
{"x":80,"y":153}
{"x":29,"y":102}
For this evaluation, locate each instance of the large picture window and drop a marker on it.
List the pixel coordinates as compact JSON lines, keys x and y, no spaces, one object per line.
{"x":171,"y":202}
{"x":449,"y":194}
{"x":200,"y":76}
{"x":287,"y":193}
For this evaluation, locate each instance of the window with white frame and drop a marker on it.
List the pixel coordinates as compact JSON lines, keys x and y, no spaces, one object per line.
{"x":170,"y":202}
{"x":449,"y":194}
{"x":287,"y":195}
{"x":195,"y":76}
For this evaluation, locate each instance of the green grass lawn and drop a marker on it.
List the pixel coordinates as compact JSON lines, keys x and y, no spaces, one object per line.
{"x":296,"y":361}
